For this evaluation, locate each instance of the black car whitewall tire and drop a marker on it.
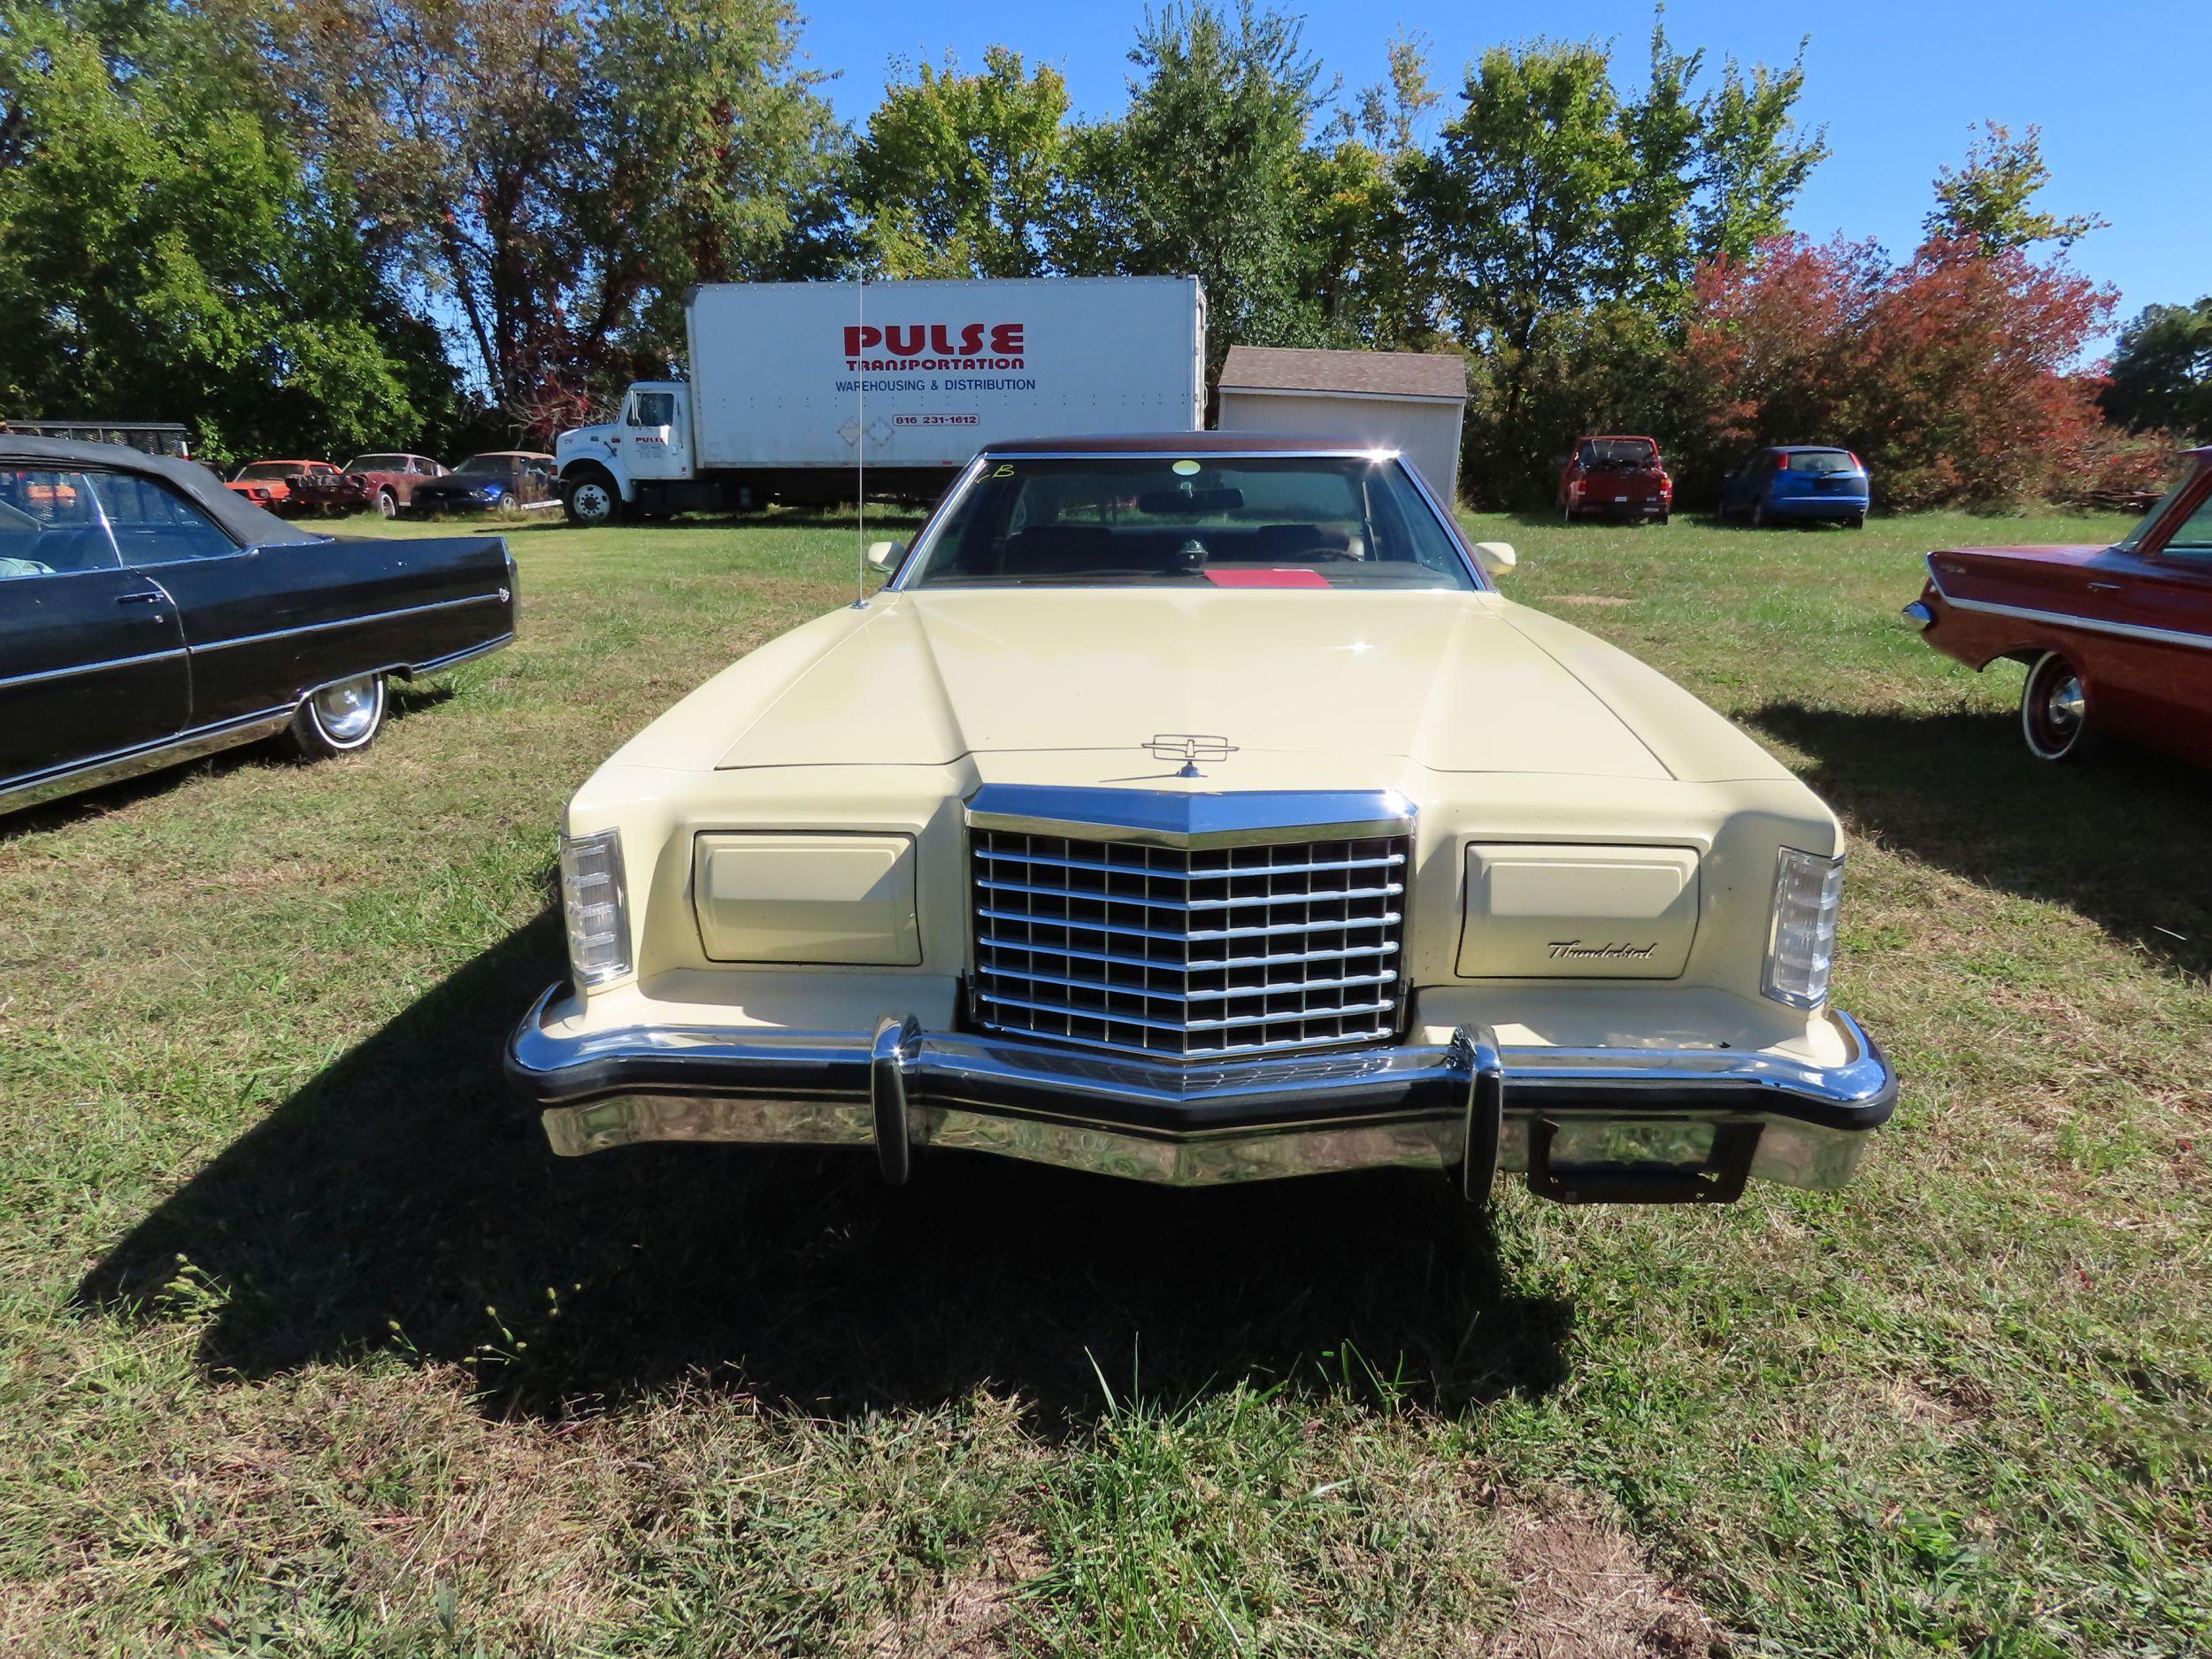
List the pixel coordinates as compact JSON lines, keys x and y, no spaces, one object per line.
{"x":1758,"y":514}
{"x":2056,"y":716}
{"x":340,"y":719}
{"x":592,"y":500}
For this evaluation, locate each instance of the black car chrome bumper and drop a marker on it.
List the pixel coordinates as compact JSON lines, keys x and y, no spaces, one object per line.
{"x":1586,"y":1125}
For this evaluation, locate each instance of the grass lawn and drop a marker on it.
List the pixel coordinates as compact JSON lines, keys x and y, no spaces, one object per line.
{"x":309,"y":1347}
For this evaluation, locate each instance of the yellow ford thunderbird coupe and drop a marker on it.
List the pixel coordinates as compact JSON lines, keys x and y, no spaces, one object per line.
{"x":1194,"y":808}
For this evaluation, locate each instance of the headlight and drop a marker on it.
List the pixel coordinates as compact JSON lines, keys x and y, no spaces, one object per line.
{"x":592,"y":904}
{"x":1801,"y":948}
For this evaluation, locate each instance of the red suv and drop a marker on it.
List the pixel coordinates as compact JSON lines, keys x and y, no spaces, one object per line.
{"x":1614,"y":478}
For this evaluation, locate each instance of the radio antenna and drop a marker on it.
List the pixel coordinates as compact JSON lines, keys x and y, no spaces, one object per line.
{"x":860,"y":439}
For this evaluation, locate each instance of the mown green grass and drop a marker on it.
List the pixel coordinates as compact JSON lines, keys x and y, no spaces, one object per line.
{"x":308,"y":1347}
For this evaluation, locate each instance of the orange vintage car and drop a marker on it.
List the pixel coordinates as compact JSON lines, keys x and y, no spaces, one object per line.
{"x":269,"y":483}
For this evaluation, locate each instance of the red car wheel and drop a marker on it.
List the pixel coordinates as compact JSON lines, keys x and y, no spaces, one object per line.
{"x":2055,"y":716}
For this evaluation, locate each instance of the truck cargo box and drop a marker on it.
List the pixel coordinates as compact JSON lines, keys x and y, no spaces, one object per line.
{"x":797,"y":374}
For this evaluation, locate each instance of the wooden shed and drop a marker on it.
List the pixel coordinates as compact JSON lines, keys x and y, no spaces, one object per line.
{"x":1408,"y":401}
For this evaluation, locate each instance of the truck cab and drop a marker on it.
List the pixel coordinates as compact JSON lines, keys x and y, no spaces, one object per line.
{"x":630,"y":461}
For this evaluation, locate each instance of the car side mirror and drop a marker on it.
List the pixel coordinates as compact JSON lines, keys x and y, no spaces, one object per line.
{"x":885,"y":556}
{"x":1497,"y":557}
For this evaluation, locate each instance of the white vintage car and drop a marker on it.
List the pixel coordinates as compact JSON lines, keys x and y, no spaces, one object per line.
{"x":1193,"y":809}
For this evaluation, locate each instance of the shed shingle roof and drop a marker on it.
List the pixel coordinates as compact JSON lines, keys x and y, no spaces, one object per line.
{"x":1375,"y":374}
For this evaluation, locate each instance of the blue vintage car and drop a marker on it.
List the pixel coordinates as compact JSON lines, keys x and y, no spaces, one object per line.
{"x":1797,"y":481}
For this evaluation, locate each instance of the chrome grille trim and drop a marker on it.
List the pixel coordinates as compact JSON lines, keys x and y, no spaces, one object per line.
{"x":1116,"y":939}
{"x":1392,"y":862}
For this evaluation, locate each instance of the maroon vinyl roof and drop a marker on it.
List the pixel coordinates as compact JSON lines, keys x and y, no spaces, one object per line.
{"x":1441,"y":374}
{"x":1184,"y":444}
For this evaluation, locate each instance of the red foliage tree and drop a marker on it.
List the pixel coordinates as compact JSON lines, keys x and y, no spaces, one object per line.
{"x":1951,"y":374}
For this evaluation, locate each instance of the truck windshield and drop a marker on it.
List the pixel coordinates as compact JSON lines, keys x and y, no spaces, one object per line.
{"x":1224,"y":522}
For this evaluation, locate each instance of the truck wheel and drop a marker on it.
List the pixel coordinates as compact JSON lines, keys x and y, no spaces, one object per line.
{"x":386,"y":505}
{"x":2056,"y":718}
{"x":340,"y":719}
{"x":592,"y":501}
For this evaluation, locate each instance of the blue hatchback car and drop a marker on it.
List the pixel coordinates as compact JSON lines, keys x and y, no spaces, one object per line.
{"x":1797,"y":481}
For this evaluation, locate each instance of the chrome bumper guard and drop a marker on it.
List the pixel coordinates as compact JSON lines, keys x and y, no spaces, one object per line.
{"x":1643,"y":1126}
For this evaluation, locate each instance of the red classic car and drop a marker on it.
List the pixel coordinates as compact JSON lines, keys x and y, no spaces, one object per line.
{"x":386,"y":483}
{"x":2117,"y":640}
{"x":269,"y":483}
{"x":1615,"y":478}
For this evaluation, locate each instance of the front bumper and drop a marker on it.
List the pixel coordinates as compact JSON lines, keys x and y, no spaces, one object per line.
{"x":1641,"y":1125}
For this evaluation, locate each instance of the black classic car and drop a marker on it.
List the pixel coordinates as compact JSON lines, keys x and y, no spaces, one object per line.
{"x":149,"y":616}
{"x":510,"y":480}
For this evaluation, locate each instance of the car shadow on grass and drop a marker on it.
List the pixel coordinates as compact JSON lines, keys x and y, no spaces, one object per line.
{"x":2121,"y":839}
{"x":400,"y":1202}
{"x":405,"y":699}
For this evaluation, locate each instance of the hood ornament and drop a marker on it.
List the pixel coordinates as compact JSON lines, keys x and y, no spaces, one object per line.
{"x":1190,"y":747}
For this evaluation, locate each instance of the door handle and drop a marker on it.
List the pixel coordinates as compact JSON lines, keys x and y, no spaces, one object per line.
{"x":2104,"y":588}
{"x":153,"y":598}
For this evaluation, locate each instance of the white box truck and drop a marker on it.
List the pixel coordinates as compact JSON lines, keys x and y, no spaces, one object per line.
{"x":795,"y":387}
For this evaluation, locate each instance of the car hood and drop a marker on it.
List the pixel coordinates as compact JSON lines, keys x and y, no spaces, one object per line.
{"x":1455,"y":682}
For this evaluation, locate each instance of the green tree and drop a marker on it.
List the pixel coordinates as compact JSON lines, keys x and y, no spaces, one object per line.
{"x":1204,"y":175}
{"x":2161,"y":377}
{"x":1359,"y":278}
{"x":710,"y":156}
{"x":162,"y":254}
{"x":1990,"y":201}
{"x":956,"y":174}
{"x":552,"y":174}
{"x":1561,"y":224}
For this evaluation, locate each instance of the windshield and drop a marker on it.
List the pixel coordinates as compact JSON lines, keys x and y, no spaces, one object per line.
{"x":1224,"y":521}
{"x":483,"y":465}
{"x":377,"y":464}
{"x":2151,"y":517}
{"x":1619,"y":452}
{"x":272,"y":469}
{"x":1824,"y":461}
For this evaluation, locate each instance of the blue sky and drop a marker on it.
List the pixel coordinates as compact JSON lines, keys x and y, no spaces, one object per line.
{"x":2120,"y":90}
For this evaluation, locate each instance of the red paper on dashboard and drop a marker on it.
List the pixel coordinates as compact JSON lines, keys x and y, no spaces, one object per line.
{"x":1266,"y":578}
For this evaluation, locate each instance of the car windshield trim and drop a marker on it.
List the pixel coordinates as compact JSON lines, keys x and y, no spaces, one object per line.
{"x":2133,"y":539}
{"x":1428,"y":530}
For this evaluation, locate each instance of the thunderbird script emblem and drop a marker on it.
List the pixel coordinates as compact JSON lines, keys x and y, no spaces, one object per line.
{"x":1190,"y":747}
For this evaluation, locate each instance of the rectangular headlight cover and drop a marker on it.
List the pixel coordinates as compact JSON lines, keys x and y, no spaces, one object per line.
{"x":593,"y":906}
{"x":825,"y":896}
{"x":1801,"y":948}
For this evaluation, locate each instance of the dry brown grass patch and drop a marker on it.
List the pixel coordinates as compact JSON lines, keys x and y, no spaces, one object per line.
{"x":1582,"y":1590}
{"x":972,"y":1614}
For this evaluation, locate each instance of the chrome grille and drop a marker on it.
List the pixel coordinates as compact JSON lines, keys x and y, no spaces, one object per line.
{"x":1190,"y":953}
